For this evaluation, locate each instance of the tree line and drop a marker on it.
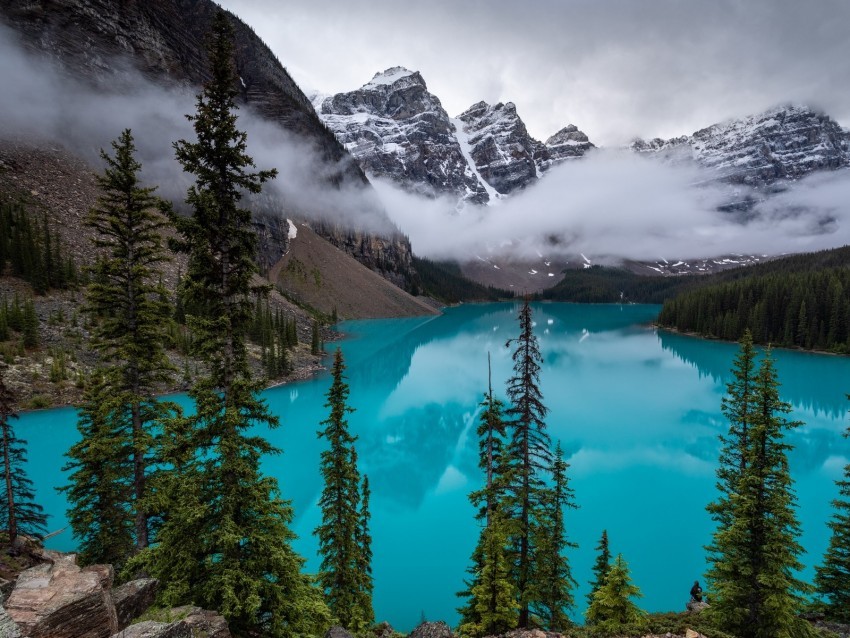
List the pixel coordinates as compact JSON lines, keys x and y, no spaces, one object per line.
{"x":809,"y":309}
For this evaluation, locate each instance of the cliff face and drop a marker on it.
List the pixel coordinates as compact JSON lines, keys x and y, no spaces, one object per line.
{"x":783,"y":143}
{"x":97,"y":40}
{"x":394,"y":127}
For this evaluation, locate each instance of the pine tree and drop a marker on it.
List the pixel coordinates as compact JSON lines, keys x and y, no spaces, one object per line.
{"x":19,"y":513}
{"x":341,"y":523}
{"x":127,"y":294}
{"x":365,"y":612}
{"x":612,"y":611}
{"x":753,"y":556}
{"x":528,"y":457}
{"x":491,"y":606}
{"x":554,"y":581}
{"x":29,"y":325}
{"x":100,"y":486}
{"x":315,"y":344}
{"x":832,"y":578}
{"x":601,"y":567}
{"x":228,"y":529}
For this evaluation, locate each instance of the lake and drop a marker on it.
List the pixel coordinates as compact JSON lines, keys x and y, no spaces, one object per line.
{"x":637,"y":412}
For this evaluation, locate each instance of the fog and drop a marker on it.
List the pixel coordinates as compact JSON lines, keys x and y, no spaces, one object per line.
{"x":615,"y":205}
{"x":610,"y":205}
{"x":40,"y":102}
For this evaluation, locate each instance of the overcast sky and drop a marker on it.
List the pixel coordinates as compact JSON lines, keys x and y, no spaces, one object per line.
{"x":616,"y":68}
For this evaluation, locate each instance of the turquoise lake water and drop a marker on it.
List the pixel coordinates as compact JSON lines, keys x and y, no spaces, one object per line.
{"x":636,"y":410}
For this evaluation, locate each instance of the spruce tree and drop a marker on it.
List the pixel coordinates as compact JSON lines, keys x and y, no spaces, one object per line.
{"x":100,"y":489}
{"x":528,"y":458}
{"x":340,"y":529}
{"x":832,"y":577}
{"x":491,"y":606}
{"x":365,"y":585}
{"x":754,"y":554}
{"x":229,"y":525}
{"x":601,"y":566}
{"x":19,"y":513}
{"x":554,"y":581}
{"x":612,"y":611}
{"x":126,"y":293}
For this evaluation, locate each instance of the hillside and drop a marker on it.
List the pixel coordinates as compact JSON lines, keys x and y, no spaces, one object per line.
{"x":317,"y":274}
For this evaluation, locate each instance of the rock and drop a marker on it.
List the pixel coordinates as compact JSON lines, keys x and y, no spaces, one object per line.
{"x":60,"y":600}
{"x":532,"y":633}
{"x":201,"y":622}
{"x":338,"y":632}
{"x":132,"y":599}
{"x":432,"y":630}
{"x":8,"y":628}
{"x":690,"y":633}
{"x":153,"y":629}
{"x":6,"y":587}
{"x":696,"y":607}
{"x":105,"y":573}
{"x":383,"y":630}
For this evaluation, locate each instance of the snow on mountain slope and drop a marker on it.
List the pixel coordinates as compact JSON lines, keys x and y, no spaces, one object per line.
{"x":784,"y":143}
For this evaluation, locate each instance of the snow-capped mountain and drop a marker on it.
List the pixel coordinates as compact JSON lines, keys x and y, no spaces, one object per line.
{"x":783,"y":143}
{"x":396,"y":128}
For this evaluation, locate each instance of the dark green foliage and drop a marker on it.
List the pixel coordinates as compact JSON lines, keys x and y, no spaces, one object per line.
{"x":601,"y":566}
{"x":272,"y":332}
{"x":491,"y":606}
{"x":528,"y":458}
{"x":754,"y":551}
{"x":832,"y":578}
{"x":601,"y":284}
{"x":612,"y":611}
{"x":33,"y":251}
{"x":553,"y":578}
{"x":127,"y":295}
{"x":19,"y":513}
{"x":801,"y":301}
{"x":225,"y":541}
{"x":444,"y":281}
{"x":363,"y":538}
{"x":343,"y":560}
{"x":29,"y":327}
{"x":100,"y":482}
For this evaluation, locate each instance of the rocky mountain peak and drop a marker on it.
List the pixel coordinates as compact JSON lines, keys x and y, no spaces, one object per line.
{"x":396,"y":128}
{"x":568,"y":143}
{"x":785,"y":142}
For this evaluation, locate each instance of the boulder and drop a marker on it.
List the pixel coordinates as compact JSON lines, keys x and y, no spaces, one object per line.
{"x":60,"y":600}
{"x":532,"y":633}
{"x":695,"y":607}
{"x":690,"y":633}
{"x":132,"y":599}
{"x":202,"y":622}
{"x":8,"y":628}
{"x":153,"y":629}
{"x":383,"y":630}
{"x":338,"y":632}
{"x":6,"y":587}
{"x":432,"y":630}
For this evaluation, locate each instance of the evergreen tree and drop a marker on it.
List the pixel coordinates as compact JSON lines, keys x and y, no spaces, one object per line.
{"x":528,"y":457}
{"x":612,"y":611}
{"x":228,"y":526}
{"x":832,"y":578}
{"x":601,"y":567}
{"x":315,"y":344}
{"x":554,"y":581}
{"x":365,"y":586}
{"x":491,"y":606}
{"x":100,"y":486}
{"x":128,"y":296}
{"x":29,"y":325}
{"x":341,"y":523}
{"x":753,"y":555}
{"x":19,"y":513}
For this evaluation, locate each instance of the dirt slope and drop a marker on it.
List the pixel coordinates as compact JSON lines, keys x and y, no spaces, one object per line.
{"x":316,"y":273}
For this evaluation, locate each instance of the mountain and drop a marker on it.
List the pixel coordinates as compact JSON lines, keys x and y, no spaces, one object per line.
{"x":396,"y":128}
{"x":784,"y":143}
{"x":98,"y":41}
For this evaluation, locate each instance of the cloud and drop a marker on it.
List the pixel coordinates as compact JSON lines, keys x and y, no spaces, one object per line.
{"x":614,"y":204}
{"x":41,"y":102}
{"x":615,"y":68}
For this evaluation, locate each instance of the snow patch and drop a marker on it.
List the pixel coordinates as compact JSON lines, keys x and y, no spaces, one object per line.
{"x":466,"y":150}
{"x":293,"y":231}
{"x":388,"y":77}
